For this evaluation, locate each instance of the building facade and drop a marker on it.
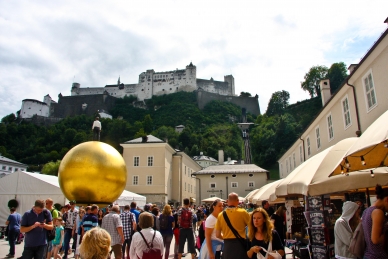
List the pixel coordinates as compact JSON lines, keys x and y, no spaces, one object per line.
{"x":159,"y":172}
{"x":152,"y":83}
{"x":349,"y":111}
{"x":205,"y":161}
{"x":8,"y":166}
{"x":220,"y":180}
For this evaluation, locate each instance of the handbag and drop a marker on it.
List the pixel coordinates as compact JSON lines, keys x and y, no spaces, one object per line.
{"x":244,"y":242}
{"x":274,"y":254}
{"x":357,"y":244}
{"x":151,"y":252}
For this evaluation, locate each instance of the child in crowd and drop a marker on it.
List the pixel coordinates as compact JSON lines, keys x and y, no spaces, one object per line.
{"x":58,"y":240}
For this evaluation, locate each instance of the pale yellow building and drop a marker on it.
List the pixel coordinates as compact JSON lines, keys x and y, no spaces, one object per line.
{"x":220,"y":180}
{"x":349,"y":111}
{"x":159,"y":172}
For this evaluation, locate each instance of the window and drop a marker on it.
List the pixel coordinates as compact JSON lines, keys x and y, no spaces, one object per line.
{"x":136,"y":161}
{"x":318,"y":135}
{"x":212,"y":185}
{"x":293,"y":158}
{"x":287,"y":165}
{"x":330,"y":127}
{"x":250,"y":175}
{"x":149,"y":179}
{"x":234,"y":184}
{"x":346,"y":112}
{"x":251,"y":184}
{"x":370,"y":93}
{"x":212,"y":176}
{"x":135,"y":180}
{"x":289,"y":160}
{"x":308,"y":146}
{"x":150,"y":161}
{"x":10,"y":168}
{"x":300,"y":154}
{"x":4,"y":167}
{"x":16,"y":169}
{"x":281,"y":170}
{"x":234,"y":176}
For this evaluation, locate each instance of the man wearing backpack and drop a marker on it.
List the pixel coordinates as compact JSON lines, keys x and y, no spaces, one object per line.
{"x":185,"y":220}
{"x":54,"y":215}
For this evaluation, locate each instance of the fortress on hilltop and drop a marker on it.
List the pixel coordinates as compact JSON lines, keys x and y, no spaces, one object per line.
{"x":89,"y":100}
{"x":152,"y":83}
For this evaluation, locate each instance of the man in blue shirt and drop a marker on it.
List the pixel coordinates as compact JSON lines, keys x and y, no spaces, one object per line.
{"x":13,"y":223}
{"x":90,"y":220}
{"x":35,"y":224}
{"x":135,"y":211}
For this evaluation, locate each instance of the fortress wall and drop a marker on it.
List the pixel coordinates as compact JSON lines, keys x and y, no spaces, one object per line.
{"x":251,"y":104}
{"x":72,"y":105}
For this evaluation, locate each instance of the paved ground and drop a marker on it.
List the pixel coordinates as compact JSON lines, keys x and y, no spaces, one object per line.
{"x":4,"y":250}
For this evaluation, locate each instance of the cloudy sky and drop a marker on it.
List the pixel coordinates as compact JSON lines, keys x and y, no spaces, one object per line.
{"x":267,"y":46}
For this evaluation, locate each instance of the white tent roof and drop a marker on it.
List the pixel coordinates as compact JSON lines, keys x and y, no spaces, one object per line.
{"x":26,"y":188}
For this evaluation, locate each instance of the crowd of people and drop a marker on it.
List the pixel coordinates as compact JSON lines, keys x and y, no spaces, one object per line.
{"x":225,"y":230}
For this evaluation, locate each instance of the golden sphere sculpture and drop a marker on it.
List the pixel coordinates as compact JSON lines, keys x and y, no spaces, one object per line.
{"x":92,"y":173}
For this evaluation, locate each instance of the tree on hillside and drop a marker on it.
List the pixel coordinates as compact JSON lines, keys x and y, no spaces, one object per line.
{"x":337,"y":74}
{"x":245,"y":94}
{"x":9,"y":118}
{"x":51,"y":168}
{"x":278,"y":103}
{"x":312,"y":79}
{"x":147,"y":124}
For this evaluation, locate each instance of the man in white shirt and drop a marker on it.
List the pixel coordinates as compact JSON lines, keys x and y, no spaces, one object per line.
{"x":96,"y":129}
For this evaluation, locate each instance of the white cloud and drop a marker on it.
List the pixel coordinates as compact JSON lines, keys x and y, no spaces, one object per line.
{"x":268,"y":46}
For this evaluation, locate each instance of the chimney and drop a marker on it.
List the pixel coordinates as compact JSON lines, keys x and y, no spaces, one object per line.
{"x":325,"y":90}
{"x":201,"y":153}
{"x":242,"y":162}
{"x":220,"y":157}
{"x":229,"y":159}
{"x":352,"y":67}
{"x":144,"y":139}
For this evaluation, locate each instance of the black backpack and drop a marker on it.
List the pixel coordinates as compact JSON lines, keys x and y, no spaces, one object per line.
{"x":163,"y":222}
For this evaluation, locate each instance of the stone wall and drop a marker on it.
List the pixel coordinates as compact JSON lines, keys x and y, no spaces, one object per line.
{"x":73,"y":105}
{"x":251,"y":104}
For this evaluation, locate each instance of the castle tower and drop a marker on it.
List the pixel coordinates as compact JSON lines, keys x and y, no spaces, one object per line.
{"x":230,"y":80}
{"x":47,"y":99}
{"x":75,"y":88}
{"x":191,"y":73}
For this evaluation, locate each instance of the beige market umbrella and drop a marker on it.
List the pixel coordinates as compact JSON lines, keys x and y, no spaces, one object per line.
{"x":249,"y":195}
{"x":356,"y":180}
{"x":369,"y":151}
{"x":265,"y":192}
{"x":211,"y":199}
{"x":317,"y":168}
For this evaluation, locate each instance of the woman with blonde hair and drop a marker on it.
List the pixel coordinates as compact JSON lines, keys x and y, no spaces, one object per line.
{"x":263,"y":236}
{"x":95,"y":244}
{"x":167,"y":224}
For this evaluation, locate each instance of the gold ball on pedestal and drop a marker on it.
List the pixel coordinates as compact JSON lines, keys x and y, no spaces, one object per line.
{"x":92,"y":173}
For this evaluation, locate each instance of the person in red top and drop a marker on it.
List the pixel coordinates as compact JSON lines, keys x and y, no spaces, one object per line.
{"x":185,"y":220}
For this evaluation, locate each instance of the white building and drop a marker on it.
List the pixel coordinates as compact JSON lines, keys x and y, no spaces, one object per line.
{"x":31,"y":107}
{"x":347,"y":112}
{"x":152,"y":83}
{"x":8,"y":166}
{"x":205,"y":161}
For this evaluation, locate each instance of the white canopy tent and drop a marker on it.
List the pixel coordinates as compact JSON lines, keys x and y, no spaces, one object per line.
{"x":26,"y":188}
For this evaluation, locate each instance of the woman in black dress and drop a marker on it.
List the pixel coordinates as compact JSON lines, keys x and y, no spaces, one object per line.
{"x":278,"y":220}
{"x":261,"y":233}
